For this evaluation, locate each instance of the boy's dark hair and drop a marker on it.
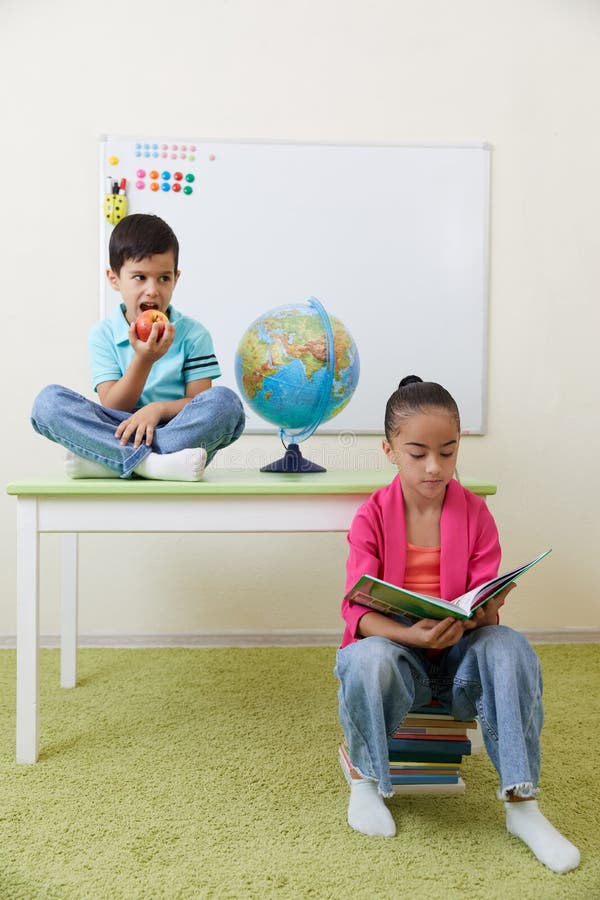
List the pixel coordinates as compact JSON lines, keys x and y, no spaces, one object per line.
{"x":413,"y":395}
{"x":139,"y":236}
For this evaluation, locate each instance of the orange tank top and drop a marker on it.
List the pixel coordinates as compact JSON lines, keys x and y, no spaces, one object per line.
{"x":422,"y":572}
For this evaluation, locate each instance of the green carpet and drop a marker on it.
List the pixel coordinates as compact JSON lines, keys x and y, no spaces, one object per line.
{"x":193,"y":773}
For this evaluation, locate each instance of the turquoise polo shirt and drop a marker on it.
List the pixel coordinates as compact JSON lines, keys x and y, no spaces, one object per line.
{"x":190,"y":357}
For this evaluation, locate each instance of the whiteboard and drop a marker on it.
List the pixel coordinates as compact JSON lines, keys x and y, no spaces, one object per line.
{"x":392,"y":240}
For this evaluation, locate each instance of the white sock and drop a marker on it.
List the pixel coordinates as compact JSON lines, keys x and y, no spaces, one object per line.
{"x":80,"y":467}
{"x":367,"y":811}
{"x":184,"y":465}
{"x":526,"y":821}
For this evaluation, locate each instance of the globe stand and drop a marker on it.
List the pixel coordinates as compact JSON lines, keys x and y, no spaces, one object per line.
{"x":293,"y":462}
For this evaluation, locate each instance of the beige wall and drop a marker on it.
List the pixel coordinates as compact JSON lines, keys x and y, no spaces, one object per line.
{"x":520,"y":74}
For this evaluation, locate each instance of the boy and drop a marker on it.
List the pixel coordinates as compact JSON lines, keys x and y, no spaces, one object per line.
{"x":159,"y":416}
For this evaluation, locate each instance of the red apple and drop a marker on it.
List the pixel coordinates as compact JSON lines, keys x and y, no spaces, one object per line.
{"x":145,"y":321}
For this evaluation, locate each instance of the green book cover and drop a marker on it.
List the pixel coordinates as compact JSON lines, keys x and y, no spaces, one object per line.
{"x":396,"y":601}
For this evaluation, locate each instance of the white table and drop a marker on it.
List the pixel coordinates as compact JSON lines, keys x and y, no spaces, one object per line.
{"x":225,"y":501}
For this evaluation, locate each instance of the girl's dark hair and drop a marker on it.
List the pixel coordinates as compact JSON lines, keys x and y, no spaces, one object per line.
{"x":412,"y":396}
{"x":139,"y":236}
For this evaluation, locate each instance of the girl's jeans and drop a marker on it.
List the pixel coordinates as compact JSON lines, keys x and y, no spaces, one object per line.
{"x":213,"y":419}
{"x":492,"y":673}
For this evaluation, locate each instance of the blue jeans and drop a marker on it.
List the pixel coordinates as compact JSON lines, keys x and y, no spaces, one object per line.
{"x":493,"y":673}
{"x":212,"y":419}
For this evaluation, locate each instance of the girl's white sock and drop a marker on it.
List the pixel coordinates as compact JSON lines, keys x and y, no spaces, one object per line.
{"x":526,"y":821}
{"x":80,"y":467}
{"x":367,"y":811}
{"x":184,"y":465}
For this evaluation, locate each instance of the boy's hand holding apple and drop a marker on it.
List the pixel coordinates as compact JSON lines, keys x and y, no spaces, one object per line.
{"x":145,"y":322}
{"x":151,"y":334}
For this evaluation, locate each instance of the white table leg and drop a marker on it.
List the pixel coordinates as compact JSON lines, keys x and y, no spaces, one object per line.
{"x":68,"y":611}
{"x":28,"y":630}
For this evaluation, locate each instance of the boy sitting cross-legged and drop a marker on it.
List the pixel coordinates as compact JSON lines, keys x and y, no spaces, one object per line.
{"x":159,"y":416}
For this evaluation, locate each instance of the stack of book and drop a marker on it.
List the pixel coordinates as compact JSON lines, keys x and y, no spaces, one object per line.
{"x":426,"y":753}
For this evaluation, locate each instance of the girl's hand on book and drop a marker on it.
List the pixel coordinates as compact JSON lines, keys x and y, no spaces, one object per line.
{"x":433,"y":634}
{"x":488,"y":614}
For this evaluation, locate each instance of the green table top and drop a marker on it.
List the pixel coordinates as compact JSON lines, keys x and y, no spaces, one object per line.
{"x":224,"y":481}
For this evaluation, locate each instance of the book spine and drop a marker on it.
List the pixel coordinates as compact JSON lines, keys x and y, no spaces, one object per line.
{"x":424,"y":779}
{"x":426,"y":734}
{"x":449,"y":772}
{"x":413,"y":721}
{"x":415,"y":745}
{"x":432,"y":790}
{"x":399,"y":756}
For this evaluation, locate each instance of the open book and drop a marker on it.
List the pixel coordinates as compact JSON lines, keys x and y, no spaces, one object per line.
{"x":396,"y":601}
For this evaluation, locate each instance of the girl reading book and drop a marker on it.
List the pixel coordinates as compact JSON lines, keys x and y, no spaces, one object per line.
{"x":427,"y":533}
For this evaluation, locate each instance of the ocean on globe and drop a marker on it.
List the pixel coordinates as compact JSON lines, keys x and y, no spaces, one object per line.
{"x":297,"y":367}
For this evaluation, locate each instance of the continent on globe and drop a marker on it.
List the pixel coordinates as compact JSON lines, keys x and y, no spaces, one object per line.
{"x":297,"y":367}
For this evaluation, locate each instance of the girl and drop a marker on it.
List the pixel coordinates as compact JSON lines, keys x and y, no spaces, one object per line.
{"x":427,"y":533}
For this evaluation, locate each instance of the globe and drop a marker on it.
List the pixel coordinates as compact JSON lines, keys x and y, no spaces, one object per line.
{"x":297,"y":367}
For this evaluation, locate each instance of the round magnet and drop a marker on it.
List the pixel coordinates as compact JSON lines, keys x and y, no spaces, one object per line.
{"x":178,"y":176}
{"x":165,"y":186}
{"x":113,"y":160}
{"x":165,"y":176}
{"x":154,"y":185}
{"x":140,"y":185}
{"x":176,"y":187}
{"x":187,"y":189}
{"x":189,"y":177}
{"x":153,"y":174}
{"x":141,"y":173}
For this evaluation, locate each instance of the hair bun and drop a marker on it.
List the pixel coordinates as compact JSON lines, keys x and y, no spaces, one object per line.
{"x":410,"y":379}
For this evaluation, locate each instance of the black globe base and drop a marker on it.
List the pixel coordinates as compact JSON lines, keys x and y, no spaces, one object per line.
{"x":293,"y":462}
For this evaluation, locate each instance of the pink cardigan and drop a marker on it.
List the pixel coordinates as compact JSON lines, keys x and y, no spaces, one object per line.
{"x":470,"y":551}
